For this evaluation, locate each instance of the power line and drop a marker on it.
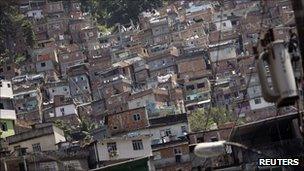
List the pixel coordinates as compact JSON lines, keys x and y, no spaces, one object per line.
{"x":214,"y":72}
{"x":253,"y":63}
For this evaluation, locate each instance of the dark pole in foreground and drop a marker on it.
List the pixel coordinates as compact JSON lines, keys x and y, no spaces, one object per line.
{"x":298,"y":7}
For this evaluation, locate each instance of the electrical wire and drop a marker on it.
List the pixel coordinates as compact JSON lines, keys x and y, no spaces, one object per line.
{"x":251,"y":71}
{"x":214,"y":72}
{"x":277,"y":110}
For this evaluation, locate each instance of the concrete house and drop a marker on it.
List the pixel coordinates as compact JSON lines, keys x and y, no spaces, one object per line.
{"x":7,"y":112}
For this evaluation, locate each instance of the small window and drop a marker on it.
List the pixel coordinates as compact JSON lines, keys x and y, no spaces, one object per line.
{"x":62,"y":111}
{"x":257,"y":101}
{"x":3,"y":126}
{"x":137,"y":145}
{"x":184,"y":128}
{"x":114,"y":127}
{"x":8,"y":85}
{"x":112,"y":146}
{"x":8,"y":68}
{"x":190,"y":87}
{"x":168,"y":132}
{"x":42,"y":64}
{"x":177,"y":151}
{"x":138,"y":104}
{"x":36,"y":147}
{"x":213,"y":139}
{"x":1,"y":69}
{"x":201,"y":85}
{"x":1,"y":106}
{"x":136,"y":117}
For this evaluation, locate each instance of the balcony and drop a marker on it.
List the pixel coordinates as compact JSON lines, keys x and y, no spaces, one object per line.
{"x":7,"y":114}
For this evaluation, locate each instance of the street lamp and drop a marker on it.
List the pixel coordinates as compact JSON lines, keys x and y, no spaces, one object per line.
{"x":213,"y":149}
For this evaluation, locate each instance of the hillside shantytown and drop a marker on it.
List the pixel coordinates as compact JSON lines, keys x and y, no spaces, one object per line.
{"x":136,"y":85}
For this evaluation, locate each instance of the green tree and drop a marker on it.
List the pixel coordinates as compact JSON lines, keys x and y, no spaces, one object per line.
{"x":13,"y":24}
{"x":198,"y":118}
{"x":111,"y":12}
{"x":85,"y":127}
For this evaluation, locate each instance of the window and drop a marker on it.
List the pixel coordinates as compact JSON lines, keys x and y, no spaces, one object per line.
{"x":36,"y":147}
{"x":177,"y":151}
{"x":201,"y":85}
{"x":190,"y":87}
{"x":213,"y":139}
{"x":8,"y":85}
{"x":8,"y":68}
{"x":136,"y":117}
{"x":137,"y":145}
{"x":1,"y":69}
{"x":178,"y":155}
{"x":62,"y":111}
{"x":257,"y":101}
{"x":1,"y":106}
{"x":138,"y":104}
{"x":3,"y":126}
{"x":183,"y":128}
{"x":0,"y":84}
{"x":42,"y":64}
{"x":111,"y":146}
{"x":168,"y":132}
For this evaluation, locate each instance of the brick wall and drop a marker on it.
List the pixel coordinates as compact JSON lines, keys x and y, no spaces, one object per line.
{"x":124,"y":121}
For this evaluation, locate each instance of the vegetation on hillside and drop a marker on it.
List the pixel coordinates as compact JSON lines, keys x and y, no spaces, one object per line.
{"x":13,"y":24}
{"x":111,"y":12}
{"x":218,"y":116}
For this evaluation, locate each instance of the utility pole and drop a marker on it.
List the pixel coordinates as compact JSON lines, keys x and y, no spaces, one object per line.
{"x":298,"y":7}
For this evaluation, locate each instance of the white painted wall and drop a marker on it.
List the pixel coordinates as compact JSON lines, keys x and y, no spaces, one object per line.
{"x":68,"y":110}
{"x":37,"y":14}
{"x":59,"y":137}
{"x":141,"y":102}
{"x":124,"y":148}
{"x":263,"y":104}
{"x":46,"y":142}
{"x":6,"y":89}
{"x":60,"y":90}
{"x":156,"y":132}
{"x":223,"y":25}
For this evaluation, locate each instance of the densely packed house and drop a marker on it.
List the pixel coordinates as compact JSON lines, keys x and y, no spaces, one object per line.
{"x":139,"y":85}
